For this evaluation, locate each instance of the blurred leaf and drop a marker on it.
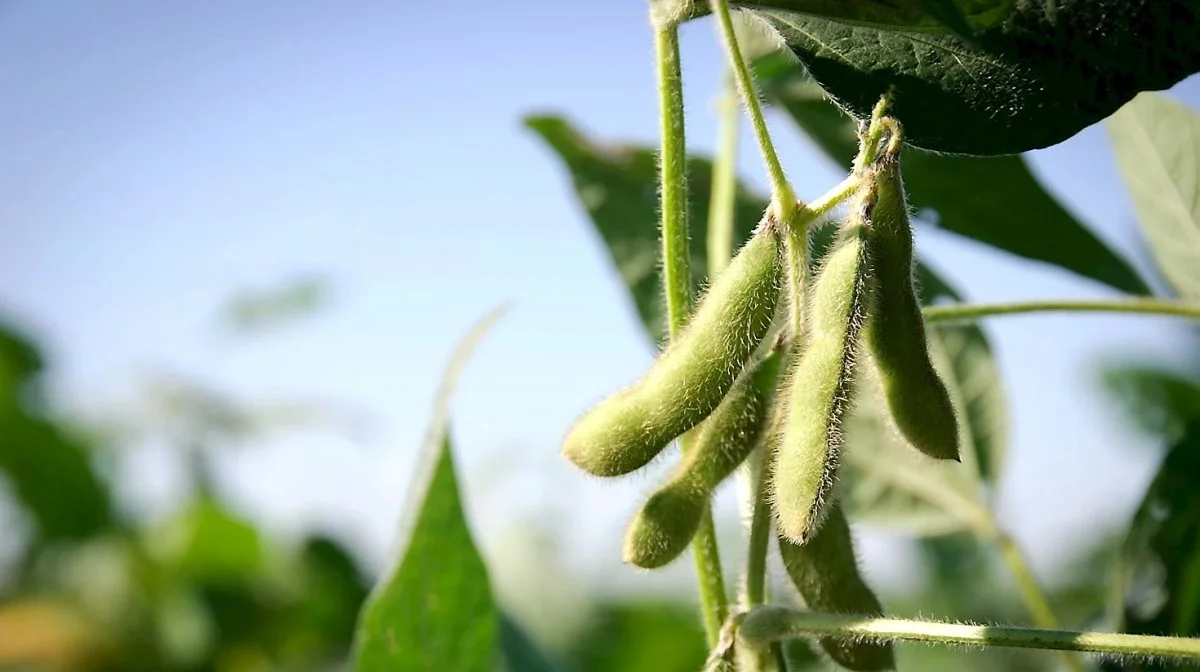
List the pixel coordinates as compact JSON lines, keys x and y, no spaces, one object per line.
{"x":50,"y":471}
{"x":640,"y":637}
{"x":434,"y":610}
{"x":1160,"y":571}
{"x":209,"y":544}
{"x":1157,"y":145}
{"x":1160,"y":401}
{"x":1032,"y":80}
{"x":995,"y":200}
{"x":295,"y":299}
{"x":618,"y":186}
{"x":521,"y":654}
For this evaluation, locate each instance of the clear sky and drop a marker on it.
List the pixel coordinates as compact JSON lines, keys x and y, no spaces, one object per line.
{"x":158,"y":157}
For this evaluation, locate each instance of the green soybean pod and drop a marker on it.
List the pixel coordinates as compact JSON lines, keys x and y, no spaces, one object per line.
{"x":917,"y":398}
{"x":805,"y":455}
{"x":666,"y":523}
{"x":825,"y":572}
{"x":625,"y":431}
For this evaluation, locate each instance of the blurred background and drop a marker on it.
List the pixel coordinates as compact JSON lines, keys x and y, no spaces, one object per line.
{"x":237,"y":244}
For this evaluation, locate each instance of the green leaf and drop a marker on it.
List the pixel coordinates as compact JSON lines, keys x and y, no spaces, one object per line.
{"x":932,"y":16}
{"x":208,"y":543}
{"x":434,"y":610}
{"x":1035,"y":78}
{"x":1157,"y":144}
{"x":640,"y":636}
{"x":618,"y":186}
{"x":49,"y":469}
{"x":1159,"y":401}
{"x":1161,"y":556}
{"x":995,"y":200}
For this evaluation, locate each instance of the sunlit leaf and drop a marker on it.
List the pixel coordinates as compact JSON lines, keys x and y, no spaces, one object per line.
{"x":1157,"y":144}
{"x":434,"y":609}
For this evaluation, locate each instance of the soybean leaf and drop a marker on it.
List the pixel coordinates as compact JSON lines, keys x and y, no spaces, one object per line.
{"x":1157,"y":144}
{"x":618,"y":186}
{"x":49,"y":469}
{"x":1161,"y":556}
{"x":994,"y":200}
{"x":1035,"y":78}
{"x":935,"y":16}
{"x":434,"y":610}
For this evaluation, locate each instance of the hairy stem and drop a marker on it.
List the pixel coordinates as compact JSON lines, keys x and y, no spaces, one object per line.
{"x":677,"y":286}
{"x":970,"y":311}
{"x":722,"y":199}
{"x":782,"y":195}
{"x":769,"y":624}
{"x":672,"y":174}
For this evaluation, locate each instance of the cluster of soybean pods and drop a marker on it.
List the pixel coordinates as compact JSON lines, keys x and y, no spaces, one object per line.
{"x":733,"y":389}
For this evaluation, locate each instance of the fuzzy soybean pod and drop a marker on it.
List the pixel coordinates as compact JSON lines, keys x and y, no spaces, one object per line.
{"x":626,"y":431}
{"x":916,"y":396}
{"x":805,"y":456}
{"x":668,"y":520}
{"x":825,"y":572}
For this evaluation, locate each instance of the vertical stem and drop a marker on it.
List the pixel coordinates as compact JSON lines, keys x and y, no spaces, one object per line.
{"x":672,"y":167}
{"x":677,"y":286}
{"x":722,"y":200}
{"x":781,"y":191}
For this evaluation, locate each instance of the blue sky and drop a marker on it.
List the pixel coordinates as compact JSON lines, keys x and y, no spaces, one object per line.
{"x":160,"y":156}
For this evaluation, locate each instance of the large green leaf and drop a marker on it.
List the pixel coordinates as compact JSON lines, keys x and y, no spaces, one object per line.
{"x":1042,"y":74}
{"x":995,"y":200}
{"x":434,"y":610}
{"x":1161,"y":556}
{"x":926,"y":16}
{"x":1157,"y":143}
{"x":618,"y":186}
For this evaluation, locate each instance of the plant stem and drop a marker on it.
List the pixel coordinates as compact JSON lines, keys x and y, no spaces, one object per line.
{"x":782,"y":195}
{"x":969,"y":311}
{"x":1027,"y":584}
{"x":677,"y":286}
{"x":723,"y":196}
{"x":755,"y":581}
{"x":672,"y":167}
{"x":768,"y":624}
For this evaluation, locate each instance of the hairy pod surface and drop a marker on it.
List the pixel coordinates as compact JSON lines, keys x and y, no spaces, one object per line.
{"x":825,"y":572}
{"x":805,"y":456}
{"x":668,"y":520}
{"x":916,"y":396}
{"x":688,"y":381}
